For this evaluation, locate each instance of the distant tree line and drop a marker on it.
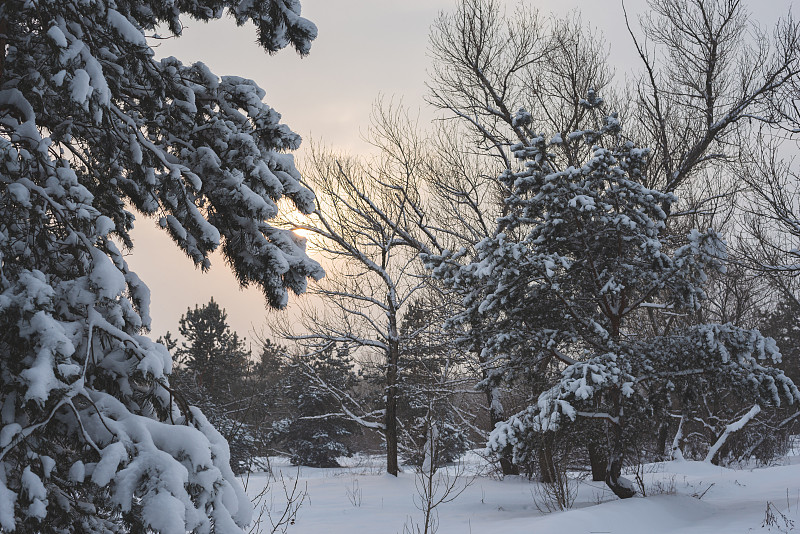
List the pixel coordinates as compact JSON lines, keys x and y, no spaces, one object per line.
{"x":276,"y":401}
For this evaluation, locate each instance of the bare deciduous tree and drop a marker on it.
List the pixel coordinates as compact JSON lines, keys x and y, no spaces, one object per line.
{"x":488,"y":65}
{"x":361,"y":224}
{"x":709,"y":73}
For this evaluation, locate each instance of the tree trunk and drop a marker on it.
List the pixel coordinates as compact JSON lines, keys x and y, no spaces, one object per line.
{"x":496,"y":415}
{"x":622,"y":487}
{"x":547,"y":470}
{"x":663,"y":436}
{"x":507,"y":465}
{"x":598,"y":460}
{"x":597,"y":446}
{"x":713,"y":452}
{"x":676,"y":453}
{"x":496,"y":411}
{"x":392,"y":466}
{"x":3,"y":30}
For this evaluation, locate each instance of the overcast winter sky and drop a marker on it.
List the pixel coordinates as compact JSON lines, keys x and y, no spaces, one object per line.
{"x":365,"y":48}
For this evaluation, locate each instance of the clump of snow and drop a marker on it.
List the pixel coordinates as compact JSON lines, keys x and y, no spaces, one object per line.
{"x":57,"y":36}
{"x":106,"y":468}
{"x":47,"y":465}
{"x":20,"y":193}
{"x":81,"y":87}
{"x":8,"y":499}
{"x":35,"y":492}
{"x":77,"y":472}
{"x":126,"y":29}
{"x":106,"y":277}
{"x":9,"y":432}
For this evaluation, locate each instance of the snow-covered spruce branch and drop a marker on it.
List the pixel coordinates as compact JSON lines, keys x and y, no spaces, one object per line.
{"x":75,"y":363}
{"x":730,"y":429}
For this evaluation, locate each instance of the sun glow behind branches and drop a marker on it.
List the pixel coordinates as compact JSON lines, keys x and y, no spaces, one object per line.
{"x":302,"y":232}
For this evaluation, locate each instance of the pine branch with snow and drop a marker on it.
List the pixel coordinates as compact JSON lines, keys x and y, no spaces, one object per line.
{"x":94,"y":439}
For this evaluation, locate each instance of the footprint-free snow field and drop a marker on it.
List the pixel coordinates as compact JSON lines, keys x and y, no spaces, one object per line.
{"x":683,"y":498}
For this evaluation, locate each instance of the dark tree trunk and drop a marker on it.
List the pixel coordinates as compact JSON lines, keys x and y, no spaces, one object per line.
{"x":663,"y":436}
{"x":597,"y":446}
{"x":547,"y":469}
{"x":598,"y":461}
{"x":3,"y":30}
{"x":496,"y":412}
{"x":392,"y":466}
{"x":507,"y":465}
{"x":622,"y":487}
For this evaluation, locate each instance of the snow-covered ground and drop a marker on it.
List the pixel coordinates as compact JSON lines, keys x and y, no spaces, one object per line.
{"x":684,"y":498}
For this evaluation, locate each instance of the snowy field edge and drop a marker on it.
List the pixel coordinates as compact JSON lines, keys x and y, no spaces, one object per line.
{"x":685,"y":497}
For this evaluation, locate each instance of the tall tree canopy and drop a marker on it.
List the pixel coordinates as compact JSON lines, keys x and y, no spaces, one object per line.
{"x":91,"y":124}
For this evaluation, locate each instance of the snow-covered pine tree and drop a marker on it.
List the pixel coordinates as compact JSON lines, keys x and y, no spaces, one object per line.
{"x":215,"y":355}
{"x":214,"y":374}
{"x":580,"y":253}
{"x":781,"y":323}
{"x":93,"y":437}
{"x":314,"y":433}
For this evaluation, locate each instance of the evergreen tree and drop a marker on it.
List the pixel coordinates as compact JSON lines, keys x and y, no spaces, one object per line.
{"x":267,"y":383}
{"x":270,"y":364}
{"x":314,"y":432}
{"x":216,"y":357}
{"x":94,"y":438}
{"x":781,"y":323}
{"x":771,"y":437}
{"x":580,"y":253}
{"x":213,"y":373}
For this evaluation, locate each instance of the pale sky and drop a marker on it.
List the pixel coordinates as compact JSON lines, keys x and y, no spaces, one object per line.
{"x":365,"y":48}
